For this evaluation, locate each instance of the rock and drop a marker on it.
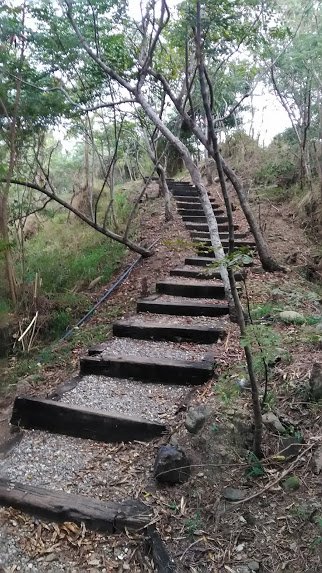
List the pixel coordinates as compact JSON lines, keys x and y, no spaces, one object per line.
{"x":291,"y":258}
{"x":253,"y":565}
{"x":292,"y":483}
{"x":196,"y":417}
{"x":317,"y":460}
{"x":243,"y":383}
{"x":5,"y":340}
{"x":318,"y":328}
{"x":273,"y":423}
{"x":171,"y":465}
{"x":290,"y":446}
{"x":241,"y":569}
{"x":291,"y":316}
{"x":316,"y":382}
{"x":234,"y":494}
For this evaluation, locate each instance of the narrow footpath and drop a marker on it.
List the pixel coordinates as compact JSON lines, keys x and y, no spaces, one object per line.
{"x":129,"y":391}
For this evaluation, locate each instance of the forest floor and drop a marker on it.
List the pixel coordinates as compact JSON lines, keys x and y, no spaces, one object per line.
{"x":279,"y":528}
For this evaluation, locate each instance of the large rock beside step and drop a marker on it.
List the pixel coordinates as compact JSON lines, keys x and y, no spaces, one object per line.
{"x":291,"y":316}
{"x":273,"y":422}
{"x":171,"y":465}
{"x":316,"y":382}
{"x":196,"y":417}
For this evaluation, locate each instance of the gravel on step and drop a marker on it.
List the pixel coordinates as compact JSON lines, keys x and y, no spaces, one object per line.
{"x":187,"y":300}
{"x":153,"y":402}
{"x":192,"y":280}
{"x":97,"y":470}
{"x":172,"y":320}
{"x":128,"y":347}
{"x":48,"y":460}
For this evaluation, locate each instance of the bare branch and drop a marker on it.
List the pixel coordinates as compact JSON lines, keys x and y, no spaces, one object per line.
{"x":106,"y":232}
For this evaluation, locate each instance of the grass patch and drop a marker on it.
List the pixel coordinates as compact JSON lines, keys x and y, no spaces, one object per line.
{"x":76,"y":256}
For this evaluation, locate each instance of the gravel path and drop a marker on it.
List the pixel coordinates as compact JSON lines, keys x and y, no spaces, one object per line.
{"x":163,"y":350}
{"x":179,"y":299}
{"x":168,"y":320}
{"x":48,"y":460}
{"x":73,"y":465}
{"x":192,"y":281}
{"x":153,"y":402}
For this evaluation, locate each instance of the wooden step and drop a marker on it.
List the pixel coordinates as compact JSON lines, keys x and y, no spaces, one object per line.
{"x":184,"y":192}
{"x":189,"y":272}
{"x":60,"y":418}
{"x":223,"y":235}
{"x":238,"y":243}
{"x":199,"y":212}
{"x":223,"y":227}
{"x":184,"y":203}
{"x":182,"y":308}
{"x":193,"y":200}
{"x":201,"y":219}
{"x":199,"y":261}
{"x":173,"y":332}
{"x":191,"y":290}
{"x":106,"y":516}
{"x":202,"y":261}
{"x":182,"y":372}
{"x":210,"y":252}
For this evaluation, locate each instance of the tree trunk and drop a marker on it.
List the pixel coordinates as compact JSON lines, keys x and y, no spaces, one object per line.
{"x":258,"y":421}
{"x":197,"y":181}
{"x":164,"y":192}
{"x":5,"y":253}
{"x":268,"y":263}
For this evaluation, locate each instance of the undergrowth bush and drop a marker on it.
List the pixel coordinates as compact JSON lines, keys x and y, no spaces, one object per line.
{"x":70,"y":255}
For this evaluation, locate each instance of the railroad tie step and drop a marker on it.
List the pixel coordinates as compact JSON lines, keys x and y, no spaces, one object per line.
{"x":198,"y":212}
{"x":71,"y":420}
{"x":210,"y":252}
{"x":172,"y":332}
{"x":202,"y":261}
{"x":223,"y":235}
{"x":194,"y":201}
{"x":201,"y":219}
{"x":185,"y":203}
{"x":182,"y":308}
{"x":195,"y":226}
{"x":171,"y":371}
{"x":206,"y":243}
{"x":189,"y":272}
{"x":106,"y":516}
{"x":191,"y":290}
{"x":184,"y":192}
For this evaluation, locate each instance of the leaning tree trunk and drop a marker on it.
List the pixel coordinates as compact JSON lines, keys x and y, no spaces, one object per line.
{"x":268,"y":263}
{"x":164,"y":192}
{"x":8,"y":278}
{"x":197,"y":181}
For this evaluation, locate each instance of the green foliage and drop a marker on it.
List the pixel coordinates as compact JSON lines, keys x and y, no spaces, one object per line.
{"x":264,"y":311}
{"x":291,"y":483}
{"x":255,"y":468}
{"x":4,"y":309}
{"x":193,"y":524}
{"x":76,"y":254}
{"x":226,"y":389}
{"x":265,"y":343}
{"x":278,"y":167}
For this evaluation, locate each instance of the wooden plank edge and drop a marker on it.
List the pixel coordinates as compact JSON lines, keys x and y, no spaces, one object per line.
{"x":59,"y":506}
{"x":157,"y":549}
{"x":81,"y":422}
